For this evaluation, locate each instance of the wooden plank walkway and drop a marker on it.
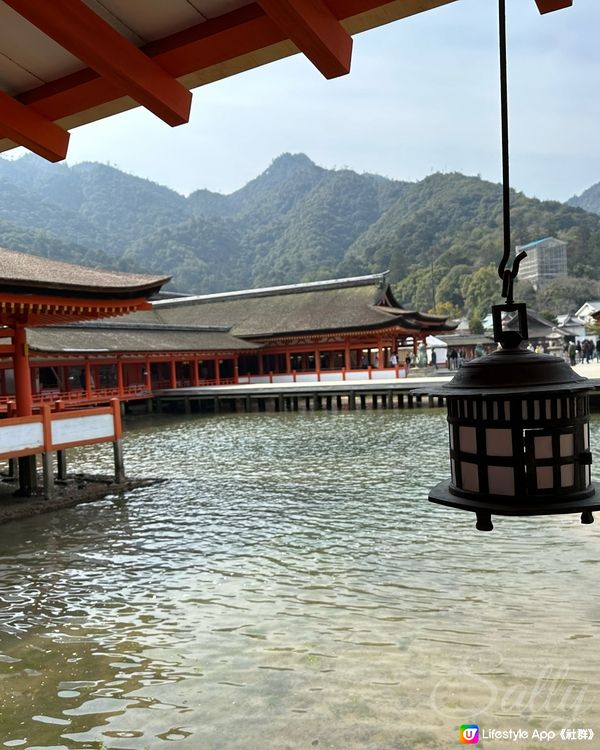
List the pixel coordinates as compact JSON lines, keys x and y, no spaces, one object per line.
{"x":306,"y":396}
{"x":384,"y":393}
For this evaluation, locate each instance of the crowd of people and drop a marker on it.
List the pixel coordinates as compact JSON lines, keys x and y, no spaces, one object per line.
{"x":575,"y":352}
{"x":578,"y":352}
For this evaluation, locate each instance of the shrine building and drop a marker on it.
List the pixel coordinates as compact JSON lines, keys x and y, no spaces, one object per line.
{"x":35,"y":292}
{"x":337,"y":329}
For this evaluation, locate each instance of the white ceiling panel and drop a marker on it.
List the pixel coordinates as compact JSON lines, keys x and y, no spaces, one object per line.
{"x":39,"y":57}
{"x":145,"y":20}
{"x":14,"y":79}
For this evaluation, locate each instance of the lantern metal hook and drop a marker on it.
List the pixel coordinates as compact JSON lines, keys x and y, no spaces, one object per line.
{"x":507,"y":276}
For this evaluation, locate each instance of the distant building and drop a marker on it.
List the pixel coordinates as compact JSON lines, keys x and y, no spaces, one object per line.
{"x":546,"y":260}
{"x":588,"y":311}
{"x":572,"y":324}
{"x":541,"y":331}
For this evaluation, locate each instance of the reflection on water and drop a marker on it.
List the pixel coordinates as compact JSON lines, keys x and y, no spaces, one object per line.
{"x":290,"y":587}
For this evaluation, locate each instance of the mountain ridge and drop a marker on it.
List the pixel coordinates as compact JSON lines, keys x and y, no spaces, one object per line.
{"x":295,"y":222}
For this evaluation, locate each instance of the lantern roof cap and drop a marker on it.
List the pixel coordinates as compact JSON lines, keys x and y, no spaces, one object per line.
{"x":512,"y":371}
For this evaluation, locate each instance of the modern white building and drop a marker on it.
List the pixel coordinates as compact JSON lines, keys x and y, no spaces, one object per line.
{"x":546,"y":260}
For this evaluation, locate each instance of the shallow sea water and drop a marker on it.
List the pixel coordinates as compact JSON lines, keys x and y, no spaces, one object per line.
{"x":290,"y":586}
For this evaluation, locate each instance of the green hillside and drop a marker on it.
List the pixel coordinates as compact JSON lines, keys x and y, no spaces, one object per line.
{"x":295,"y":222}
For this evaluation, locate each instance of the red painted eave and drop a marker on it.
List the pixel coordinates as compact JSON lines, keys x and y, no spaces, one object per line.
{"x":547,"y":6}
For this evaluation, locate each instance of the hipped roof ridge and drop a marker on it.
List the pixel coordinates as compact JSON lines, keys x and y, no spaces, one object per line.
{"x":277,"y":290}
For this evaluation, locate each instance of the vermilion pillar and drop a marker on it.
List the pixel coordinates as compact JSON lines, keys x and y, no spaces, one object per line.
{"x":24,"y":399}
{"x":88,"y":381}
{"x":23,"y":392}
{"x":120,"y":388}
{"x":173,"y":374}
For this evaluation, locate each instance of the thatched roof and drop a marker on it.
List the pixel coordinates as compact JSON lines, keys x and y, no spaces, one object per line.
{"x":24,"y":273}
{"x":133,"y":338}
{"x":219,"y":322}
{"x":360,"y":303}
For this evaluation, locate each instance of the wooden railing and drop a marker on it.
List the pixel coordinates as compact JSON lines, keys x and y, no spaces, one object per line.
{"x":75,"y":397}
{"x":367,"y":373}
{"x":50,"y":431}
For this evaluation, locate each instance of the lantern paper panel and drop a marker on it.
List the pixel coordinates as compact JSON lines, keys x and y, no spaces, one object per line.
{"x":515,"y":446}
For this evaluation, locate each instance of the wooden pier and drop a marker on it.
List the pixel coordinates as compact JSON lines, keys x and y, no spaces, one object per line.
{"x":314,"y":396}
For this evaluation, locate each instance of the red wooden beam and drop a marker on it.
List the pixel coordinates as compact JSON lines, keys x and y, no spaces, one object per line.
{"x":96,"y":43}
{"x":213,"y":42}
{"x":547,"y":6}
{"x":315,"y":31}
{"x":241,"y":32}
{"x":29,"y":129}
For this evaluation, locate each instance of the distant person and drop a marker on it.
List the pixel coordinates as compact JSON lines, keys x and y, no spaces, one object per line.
{"x":597,"y":350}
{"x":364,"y":362}
{"x":434,"y":359}
{"x":393,"y":359}
{"x":572,"y":352}
{"x":452,"y":360}
{"x":407,"y":362}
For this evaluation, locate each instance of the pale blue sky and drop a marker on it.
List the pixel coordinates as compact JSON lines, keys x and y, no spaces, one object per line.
{"x":422,"y":96}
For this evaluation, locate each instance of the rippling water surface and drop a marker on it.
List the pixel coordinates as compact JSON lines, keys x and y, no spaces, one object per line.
{"x":289,"y":586}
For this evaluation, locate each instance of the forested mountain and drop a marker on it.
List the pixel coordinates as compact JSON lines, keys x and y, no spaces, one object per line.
{"x":295,"y":222}
{"x":588,"y":200}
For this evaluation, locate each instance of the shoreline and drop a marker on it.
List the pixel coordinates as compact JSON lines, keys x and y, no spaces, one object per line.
{"x":75,"y":490}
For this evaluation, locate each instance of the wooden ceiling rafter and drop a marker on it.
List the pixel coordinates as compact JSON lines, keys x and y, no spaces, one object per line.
{"x":317,"y":33}
{"x":97,"y":44}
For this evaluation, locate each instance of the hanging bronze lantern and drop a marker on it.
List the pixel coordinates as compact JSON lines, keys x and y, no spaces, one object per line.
{"x":519,"y":421}
{"x":519,"y":433}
